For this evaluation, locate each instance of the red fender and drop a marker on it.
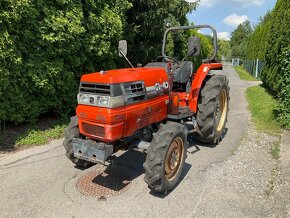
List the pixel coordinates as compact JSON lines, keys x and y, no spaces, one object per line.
{"x":197,"y":83}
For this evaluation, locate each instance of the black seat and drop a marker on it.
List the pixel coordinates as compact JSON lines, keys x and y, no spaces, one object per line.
{"x":184,"y":72}
{"x":158,"y":65}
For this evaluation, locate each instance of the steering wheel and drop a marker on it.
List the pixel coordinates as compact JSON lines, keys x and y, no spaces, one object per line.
{"x":163,"y":58}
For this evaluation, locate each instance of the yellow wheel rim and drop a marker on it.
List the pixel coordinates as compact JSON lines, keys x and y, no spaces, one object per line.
{"x":173,"y":159}
{"x":221,"y":112}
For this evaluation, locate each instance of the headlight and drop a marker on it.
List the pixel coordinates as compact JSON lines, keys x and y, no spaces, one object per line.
{"x":101,"y":101}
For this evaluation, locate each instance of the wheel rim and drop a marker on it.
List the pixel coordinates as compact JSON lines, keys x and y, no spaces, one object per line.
{"x":221,"y":111}
{"x":173,"y":159}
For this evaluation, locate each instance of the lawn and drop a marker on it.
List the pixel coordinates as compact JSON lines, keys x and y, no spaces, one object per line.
{"x":244,"y":75}
{"x":44,"y":130}
{"x":262,"y":105}
{"x":40,"y":137}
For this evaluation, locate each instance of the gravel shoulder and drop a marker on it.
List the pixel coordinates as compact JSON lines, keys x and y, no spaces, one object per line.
{"x":247,"y":182}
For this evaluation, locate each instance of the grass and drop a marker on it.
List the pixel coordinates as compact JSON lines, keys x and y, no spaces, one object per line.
{"x":272,"y":181}
{"x":244,"y":75}
{"x":275,"y":150}
{"x":262,"y":105}
{"x":40,"y":137}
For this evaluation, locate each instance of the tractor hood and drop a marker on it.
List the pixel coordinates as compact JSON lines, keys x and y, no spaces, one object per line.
{"x":150,"y":76}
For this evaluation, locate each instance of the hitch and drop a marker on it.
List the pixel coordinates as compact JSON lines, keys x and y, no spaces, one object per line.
{"x":92,"y":151}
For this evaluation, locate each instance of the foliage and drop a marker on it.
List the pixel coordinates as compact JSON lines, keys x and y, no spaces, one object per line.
{"x":270,"y":42}
{"x":45,"y":46}
{"x":277,"y":56}
{"x":244,"y":75}
{"x":206,"y":49}
{"x":224,"y":51}
{"x":147,"y":21}
{"x":39,"y":137}
{"x":262,"y":106}
{"x":256,"y":45}
{"x":177,"y":45}
{"x":275,"y":150}
{"x":239,"y":39}
{"x":283,"y":109}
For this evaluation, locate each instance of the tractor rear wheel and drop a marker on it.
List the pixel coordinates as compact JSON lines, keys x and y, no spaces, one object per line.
{"x":165,"y":157}
{"x":213,"y":109}
{"x":72,"y":131}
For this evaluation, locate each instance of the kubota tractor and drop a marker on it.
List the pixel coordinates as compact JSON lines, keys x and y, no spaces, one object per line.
{"x":147,"y":108}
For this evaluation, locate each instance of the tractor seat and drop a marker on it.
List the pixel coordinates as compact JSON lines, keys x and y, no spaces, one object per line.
{"x":158,"y":65}
{"x":183,"y":73}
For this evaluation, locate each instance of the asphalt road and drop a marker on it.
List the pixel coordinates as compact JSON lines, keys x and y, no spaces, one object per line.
{"x":41,"y":181}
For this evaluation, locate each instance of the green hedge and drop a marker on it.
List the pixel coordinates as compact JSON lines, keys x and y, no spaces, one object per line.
{"x":256,"y":43}
{"x":45,"y":46}
{"x":283,"y":110}
{"x":277,"y":57}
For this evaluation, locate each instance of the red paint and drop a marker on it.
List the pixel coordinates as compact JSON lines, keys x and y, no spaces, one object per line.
{"x":197,"y":83}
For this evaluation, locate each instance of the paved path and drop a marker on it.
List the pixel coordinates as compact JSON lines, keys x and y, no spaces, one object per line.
{"x":41,"y":181}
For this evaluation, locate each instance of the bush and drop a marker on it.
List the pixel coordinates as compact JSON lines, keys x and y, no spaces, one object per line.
{"x":283,"y":109}
{"x":45,"y":46}
{"x":276,"y":73}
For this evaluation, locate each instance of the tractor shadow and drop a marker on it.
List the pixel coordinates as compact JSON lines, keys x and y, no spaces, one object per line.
{"x":186,"y":169}
{"x":121,"y":167}
{"x":194,"y":144}
{"x":129,"y":165}
{"x":126,"y":168}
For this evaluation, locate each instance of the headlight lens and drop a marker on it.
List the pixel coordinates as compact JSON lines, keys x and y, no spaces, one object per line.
{"x":101,"y":101}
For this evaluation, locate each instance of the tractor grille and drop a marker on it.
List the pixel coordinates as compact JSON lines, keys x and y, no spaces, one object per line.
{"x":95,"y":88}
{"x":94,"y":130}
{"x":135,"y":92}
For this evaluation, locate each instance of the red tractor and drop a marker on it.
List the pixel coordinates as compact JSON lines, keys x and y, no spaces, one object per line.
{"x":147,"y":108}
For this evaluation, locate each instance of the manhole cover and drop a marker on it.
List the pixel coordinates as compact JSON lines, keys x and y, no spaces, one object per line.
{"x":103,"y":184}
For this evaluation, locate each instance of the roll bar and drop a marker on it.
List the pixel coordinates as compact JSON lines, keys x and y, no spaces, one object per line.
{"x":193,"y":27}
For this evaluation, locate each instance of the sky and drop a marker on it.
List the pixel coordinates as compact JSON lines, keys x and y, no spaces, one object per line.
{"x":226,"y":15}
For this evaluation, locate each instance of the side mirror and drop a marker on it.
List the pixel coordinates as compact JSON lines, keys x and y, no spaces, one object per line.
{"x":122,"y":48}
{"x":193,"y":46}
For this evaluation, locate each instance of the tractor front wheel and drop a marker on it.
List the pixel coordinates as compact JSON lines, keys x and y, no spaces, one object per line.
{"x":165,"y":157}
{"x":72,"y":131}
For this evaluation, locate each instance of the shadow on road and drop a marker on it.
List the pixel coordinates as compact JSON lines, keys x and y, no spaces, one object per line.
{"x":130,"y":165}
{"x":183,"y":174}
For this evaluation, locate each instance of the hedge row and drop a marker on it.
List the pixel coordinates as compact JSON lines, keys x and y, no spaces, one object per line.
{"x":276,"y":75}
{"x":271,"y":42}
{"x":45,"y":46}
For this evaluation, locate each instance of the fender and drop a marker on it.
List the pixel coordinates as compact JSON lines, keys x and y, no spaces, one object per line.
{"x":199,"y":77}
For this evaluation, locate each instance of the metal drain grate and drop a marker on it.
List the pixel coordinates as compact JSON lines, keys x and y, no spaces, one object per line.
{"x":103,"y":184}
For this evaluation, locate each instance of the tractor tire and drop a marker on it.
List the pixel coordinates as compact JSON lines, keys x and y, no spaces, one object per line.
{"x":213,"y":107}
{"x":165,"y":157}
{"x":72,"y":131}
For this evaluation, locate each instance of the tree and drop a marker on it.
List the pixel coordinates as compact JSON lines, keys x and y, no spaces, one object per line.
{"x":239,"y":39}
{"x":146,"y":23}
{"x":257,"y":46}
{"x":224,"y":51}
